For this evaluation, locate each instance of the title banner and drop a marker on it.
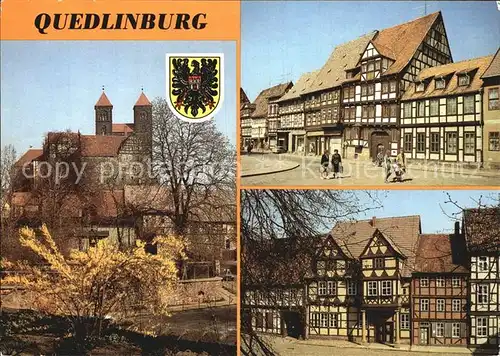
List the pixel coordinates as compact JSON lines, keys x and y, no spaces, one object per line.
{"x":116,"y":20}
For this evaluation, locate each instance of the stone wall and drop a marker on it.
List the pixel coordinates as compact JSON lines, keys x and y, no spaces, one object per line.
{"x":197,"y":291}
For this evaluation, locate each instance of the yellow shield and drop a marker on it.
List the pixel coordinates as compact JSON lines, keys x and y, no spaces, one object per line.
{"x":195,"y":85}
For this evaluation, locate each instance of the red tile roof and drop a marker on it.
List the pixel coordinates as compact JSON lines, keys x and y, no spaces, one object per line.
{"x":122,"y":128}
{"x":493,"y":69}
{"x":143,"y":101}
{"x":100,"y":145}
{"x":402,"y":232}
{"x":33,"y":154}
{"x":103,"y":100}
{"x":402,"y":41}
{"x":265,"y":95}
{"x":435,"y":255}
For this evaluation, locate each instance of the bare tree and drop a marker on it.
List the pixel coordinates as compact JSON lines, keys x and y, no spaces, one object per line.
{"x":7,"y":161}
{"x":279,"y":235}
{"x":194,"y":161}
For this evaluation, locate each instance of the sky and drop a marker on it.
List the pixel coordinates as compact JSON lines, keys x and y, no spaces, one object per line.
{"x":54,"y":85}
{"x":429,"y":204}
{"x":281,"y":40}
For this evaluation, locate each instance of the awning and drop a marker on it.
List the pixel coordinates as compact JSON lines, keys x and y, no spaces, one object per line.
{"x":315,"y":133}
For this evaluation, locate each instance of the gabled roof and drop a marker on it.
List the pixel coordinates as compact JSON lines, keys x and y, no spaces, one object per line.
{"x":33,"y":154}
{"x":123,"y":128}
{"x":143,"y":100}
{"x":476,"y":67}
{"x":300,"y":87}
{"x":265,"y":95}
{"x":344,"y":56}
{"x":493,"y":69}
{"x":402,"y":232}
{"x":100,"y":145}
{"x":482,"y":229}
{"x":437,"y":253}
{"x":243,"y":97}
{"x":103,"y":100}
{"x":402,"y":41}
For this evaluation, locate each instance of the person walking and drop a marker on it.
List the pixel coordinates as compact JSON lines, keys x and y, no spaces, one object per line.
{"x":336,"y":162}
{"x":401,"y":159}
{"x":324,"y":165}
{"x":388,"y":165}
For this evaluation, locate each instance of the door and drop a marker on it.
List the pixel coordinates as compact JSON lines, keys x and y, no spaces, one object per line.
{"x":379,"y":143}
{"x":424,"y":336}
{"x":293,"y":324}
{"x":388,"y":333}
{"x":335,"y":144}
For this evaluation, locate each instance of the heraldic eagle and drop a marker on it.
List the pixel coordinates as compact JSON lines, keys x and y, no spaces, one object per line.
{"x":194,"y":87}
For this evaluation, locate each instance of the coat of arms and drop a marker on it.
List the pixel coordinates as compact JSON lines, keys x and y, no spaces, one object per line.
{"x":194,"y":85}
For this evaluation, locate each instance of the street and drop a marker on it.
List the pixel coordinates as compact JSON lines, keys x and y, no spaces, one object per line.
{"x":291,"y":170}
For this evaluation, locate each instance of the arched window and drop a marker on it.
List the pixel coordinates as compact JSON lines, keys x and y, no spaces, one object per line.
{"x":103,"y":130}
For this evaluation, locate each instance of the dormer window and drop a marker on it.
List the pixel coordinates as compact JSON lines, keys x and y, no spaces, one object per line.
{"x":348,"y":75}
{"x":463,"y":80}
{"x":420,"y":87}
{"x":440,"y":83}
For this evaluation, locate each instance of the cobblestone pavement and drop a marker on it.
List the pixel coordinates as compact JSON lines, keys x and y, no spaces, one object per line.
{"x":357,"y":173}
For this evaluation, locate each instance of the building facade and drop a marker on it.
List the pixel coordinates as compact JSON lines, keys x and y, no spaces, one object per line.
{"x":442,"y":113}
{"x":246,"y":110}
{"x":491,"y":113}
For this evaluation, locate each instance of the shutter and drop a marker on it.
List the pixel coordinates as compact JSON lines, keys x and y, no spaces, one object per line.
{"x":447,"y":329}
{"x":463,"y":330}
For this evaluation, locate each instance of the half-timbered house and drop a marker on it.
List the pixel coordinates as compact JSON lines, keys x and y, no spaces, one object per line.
{"x":481,"y":228}
{"x":439,"y":291}
{"x":322,"y":100}
{"x":291,"y":132}
{"x":388,"y":65}
{"x":265,"y":115}
{"x":491,"y":113}
{"x":441,"y":113}
{"x":246,"y":109}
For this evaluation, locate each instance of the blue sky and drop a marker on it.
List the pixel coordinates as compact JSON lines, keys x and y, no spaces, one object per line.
{"x":54,"y":85}
{"x":283,"y":39}
{"x":430,"y":205}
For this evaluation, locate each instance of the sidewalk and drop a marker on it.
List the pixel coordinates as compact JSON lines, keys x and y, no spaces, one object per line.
{"x":266,"y":163}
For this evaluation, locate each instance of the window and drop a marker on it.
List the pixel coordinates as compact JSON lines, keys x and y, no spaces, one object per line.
{"x":435,"y":142}
{"x":424,"y":282}
{"x":469,"y":104}
{"x":405,"y":321}
{"x":440,"y":305}
{"x":352,"y":288}
{"x":348,"y":75}
{"x":421,"y":108}
{"x":463,"y":80}
{"x":420,"y":87}
{"x":439,"y":329}
{"x":483,"y":264}
{"x":392,"y":86}
{"x":451,"y":142}
{"x":455,"y":281}
{"x":385,"y":87}
{"x":407,"y":109}
{"x":456,"y":305}
{"x":394,"y":110}
{"x":494,"y":141}
{"x":420,"y":142}
{"x":333,"y":320}
{"x":379,"y":263}
{"x":386,"y":288}
{"x":469,"y":143}
{"x":455,"y":330}
{"x":320,"y":267}
{"x":372,"y":288}
{"x":451,"y":106}
{"x":482,"y":294}
{"x":321,"y":288}
{"x":363,"y":90}
{"x":440,"y":83}
{"x":408,"y":137}
{"x":371,"y":89}
{"x":434,"y":107}
{"x":324,"y":320}
{"x":331,"y":288}
{"x":424,"y":304}
{"x":493,"y":103}
{"x":482,"y":326}
{"x":440,"y":282}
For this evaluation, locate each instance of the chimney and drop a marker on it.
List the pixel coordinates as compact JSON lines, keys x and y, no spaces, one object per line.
{"x":457,"y":228}
{"x":373,"y":221}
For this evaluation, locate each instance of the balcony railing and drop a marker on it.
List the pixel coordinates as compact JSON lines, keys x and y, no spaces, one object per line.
{"x":386,"y":300}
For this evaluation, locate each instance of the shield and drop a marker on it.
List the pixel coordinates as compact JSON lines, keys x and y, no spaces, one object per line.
{"x":195,"y":85}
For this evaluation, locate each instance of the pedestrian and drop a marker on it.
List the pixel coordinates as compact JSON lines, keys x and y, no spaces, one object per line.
{"x":388,"y":165}
{"x":336,"y":162}
{"x":324,"y":165}
{"x":401,"y":159}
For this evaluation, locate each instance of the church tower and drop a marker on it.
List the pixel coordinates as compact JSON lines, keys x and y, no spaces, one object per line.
{"x":103,"y":115}
{"x":143,"y":120}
